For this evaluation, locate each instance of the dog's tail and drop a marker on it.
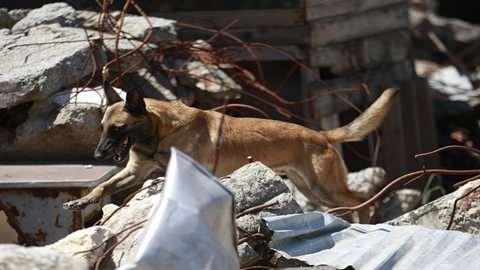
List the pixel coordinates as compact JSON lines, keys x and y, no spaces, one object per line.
{"x":367,"y":122}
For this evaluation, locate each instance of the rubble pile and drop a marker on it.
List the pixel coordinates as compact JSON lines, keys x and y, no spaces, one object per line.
{"x":258,"y":191}
{"x":51,"y":64}
{"x":51,"y":104}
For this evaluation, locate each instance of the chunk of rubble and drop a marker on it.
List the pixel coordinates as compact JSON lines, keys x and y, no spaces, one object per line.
{"x":95,"y":240}
{"x":162,"y":30}
{"x":59,"y":13}
{"x":437,"y":214}
{"x":68,"y":120}
{"x":14,"y":257}
{"x":18,"y":13}
{"x":366,"y":182}
{"x":254,"y":184}
{"x":39,"y":64}
{"x":136,"y":210}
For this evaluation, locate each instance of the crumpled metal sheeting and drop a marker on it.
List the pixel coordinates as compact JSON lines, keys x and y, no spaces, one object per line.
{"x":321,"y":239}
{"x":192,"y":227}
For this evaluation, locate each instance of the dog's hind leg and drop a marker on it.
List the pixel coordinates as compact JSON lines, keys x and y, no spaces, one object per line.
{"x":131,"y":175}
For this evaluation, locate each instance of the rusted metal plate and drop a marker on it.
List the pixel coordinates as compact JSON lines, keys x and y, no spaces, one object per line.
{"x":31,"y":196}
{"x":37,"y":215}
{"x":53,"y":175}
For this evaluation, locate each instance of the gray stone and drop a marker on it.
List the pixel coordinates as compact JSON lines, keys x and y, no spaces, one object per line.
{"x":60,"y":13}
{"x":133,"y":61}
{"x":436,"y":214}
{"x":18,"y":14}
{"x":138,"y":209}
{"x":247,"y":255}
{"x":163,"y":30}
{"x":254,"y":184}
{"x":39,"y":64}
{"x":62,"y":127}
{"x":366,"y":182}
{"x":87,"y":19}
{"x":151,"y":85}
{"x":13,"y":257}
{"x":6,"y":20}
{"x":82,"y":240}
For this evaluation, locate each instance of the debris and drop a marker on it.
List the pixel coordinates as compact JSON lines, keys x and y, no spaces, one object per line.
{"x":137,"y":209}
{"x":41,"y":63}
{"x":193,"y":226}
{"x":320,"y":239}
{"x":437,"y":214}
{"x":163,"y":30}
{"x":87,"y":239}
{"x":14,"y":257}
{"x":253,"y":184}
{"x":398,"y":203}
{"x":59,"y":13}
{"x":18,"y":14}
{"x":156,"y":85}
{"x":247,"y":255}
{"x":366,"y":182}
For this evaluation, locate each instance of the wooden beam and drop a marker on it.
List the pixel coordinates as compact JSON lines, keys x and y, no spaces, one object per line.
{"x":381,"y":77}
{"x":364,"y":53}
{"x":269,"y":35}
{"x":318,"y":9}
{"x":246,"y":18}
{"x":268,"y":54}
{"x":341,"y":29}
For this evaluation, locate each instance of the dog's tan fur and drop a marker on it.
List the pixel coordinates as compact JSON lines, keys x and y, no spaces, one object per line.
{"x":306,"y":156}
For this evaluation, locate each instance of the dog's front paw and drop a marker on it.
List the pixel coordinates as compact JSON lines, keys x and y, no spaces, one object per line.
{"x":78,"y":204}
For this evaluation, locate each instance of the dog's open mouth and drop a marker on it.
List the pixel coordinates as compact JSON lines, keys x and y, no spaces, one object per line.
{"x":121,"y":150}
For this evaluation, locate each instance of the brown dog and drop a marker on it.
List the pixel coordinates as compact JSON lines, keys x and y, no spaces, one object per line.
{"x":147,"y":129}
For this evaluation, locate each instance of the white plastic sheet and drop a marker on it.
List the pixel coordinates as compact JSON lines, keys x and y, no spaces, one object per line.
{"x":192,"y":228}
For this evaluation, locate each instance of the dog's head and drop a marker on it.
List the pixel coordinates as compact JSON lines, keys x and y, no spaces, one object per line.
{"x":124,"y":123}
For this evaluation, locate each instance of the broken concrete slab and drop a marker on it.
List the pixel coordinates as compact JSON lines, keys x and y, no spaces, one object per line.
{"x":210,"y":80}
{"x":366,"y":182}
{"x":163,"y":30}
{"x":56,"y":132}
{"x":437,"y":214}
{"x":62,"y":127}
{"x":60,"y":13}
{"x":93,"y":238}
{"x":14,"y":257}
{"x":136,"y":210}
{"x":18,"y":14}
{"x":41,"y":63}
{"x":247,"y":255}
{"x":254,"y":184}
{"x":156,"y":86}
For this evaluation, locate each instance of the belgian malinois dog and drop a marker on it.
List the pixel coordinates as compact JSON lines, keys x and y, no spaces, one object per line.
{"x":145,"y":129}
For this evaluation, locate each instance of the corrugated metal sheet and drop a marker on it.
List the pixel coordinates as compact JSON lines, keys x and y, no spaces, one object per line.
{"x":317,"y":238}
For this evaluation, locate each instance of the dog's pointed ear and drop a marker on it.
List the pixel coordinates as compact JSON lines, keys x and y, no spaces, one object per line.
{"x":110,"y":94}
{"x":135,"y":103}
